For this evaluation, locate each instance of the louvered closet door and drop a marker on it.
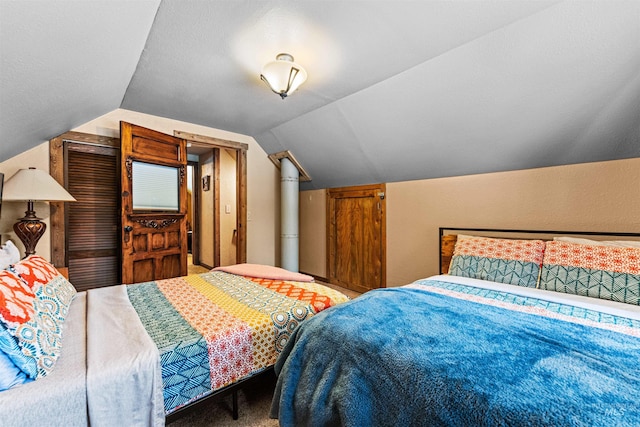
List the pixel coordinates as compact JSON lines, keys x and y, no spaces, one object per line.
{"x":93,"y":222}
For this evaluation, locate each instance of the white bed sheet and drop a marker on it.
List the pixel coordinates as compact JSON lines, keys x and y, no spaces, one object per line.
{"x":60,"y":397}
{"x":124,"y":378}
{"x":604,"y":306}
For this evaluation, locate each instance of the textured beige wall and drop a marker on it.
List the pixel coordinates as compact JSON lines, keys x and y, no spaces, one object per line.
{"x":602,"y":196}
{"x":262,"y":182}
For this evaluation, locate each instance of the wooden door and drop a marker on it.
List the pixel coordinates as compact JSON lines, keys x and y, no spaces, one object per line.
{"x":356,"y":237}
{"x":154,"y":210}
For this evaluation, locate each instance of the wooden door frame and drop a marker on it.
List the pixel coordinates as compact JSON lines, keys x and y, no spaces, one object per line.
{"x":216,"y":206}
{"x":58,"y":170}
{"x":195,"y":202}
{"x":331,"y":232}
{"x":241,"y":186}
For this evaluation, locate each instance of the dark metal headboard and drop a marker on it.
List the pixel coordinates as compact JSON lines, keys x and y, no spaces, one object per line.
{"x":520,"y":234}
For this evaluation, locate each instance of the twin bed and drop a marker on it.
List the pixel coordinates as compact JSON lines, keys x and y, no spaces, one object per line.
{"x":141,"y":354}
{"x":520,"y":332}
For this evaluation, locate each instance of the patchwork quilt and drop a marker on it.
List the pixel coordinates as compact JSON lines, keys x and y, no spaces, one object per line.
{"x":215,"y":328}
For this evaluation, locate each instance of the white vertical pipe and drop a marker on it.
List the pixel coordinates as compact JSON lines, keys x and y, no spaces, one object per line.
{"x":289,"y":193}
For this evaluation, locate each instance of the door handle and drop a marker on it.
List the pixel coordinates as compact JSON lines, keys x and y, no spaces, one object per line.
{"x":127,"y":230}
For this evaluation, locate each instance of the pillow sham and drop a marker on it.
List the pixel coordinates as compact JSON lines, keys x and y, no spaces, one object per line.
{"x":10,"y":374}
{"x":16,"y":299}
{"x":35,"y":270}
{"x":621,"y":243}
{"x":40,"y":337}
{"x":511,"y":261}
{"x":9,"y":254}
{"x":605,"y":272}
{"x":16,"y":308}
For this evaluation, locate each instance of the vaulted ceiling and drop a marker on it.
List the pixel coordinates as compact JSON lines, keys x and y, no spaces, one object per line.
{"x":397,"y":90}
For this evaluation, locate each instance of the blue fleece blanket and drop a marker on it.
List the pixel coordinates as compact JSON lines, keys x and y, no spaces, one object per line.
{"x":446,"y":356}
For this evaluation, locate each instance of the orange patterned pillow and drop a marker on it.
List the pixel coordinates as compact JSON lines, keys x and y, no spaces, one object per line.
{"x":40,"y":338}
{"x":594,"y":257}
{"x":16,"y":299}
{"x":511,"y":261}
{"x":16,"y":309}
{"x":605,"y":272}
{"x":35,"y":271}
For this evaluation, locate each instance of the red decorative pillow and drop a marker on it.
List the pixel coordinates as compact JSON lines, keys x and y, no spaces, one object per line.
{"x":16,"y":300}
{"x":35,"y":271}
{"x":16,"y":310}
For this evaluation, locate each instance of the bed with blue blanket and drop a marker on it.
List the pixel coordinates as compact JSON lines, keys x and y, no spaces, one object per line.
{"x":459,"y":350}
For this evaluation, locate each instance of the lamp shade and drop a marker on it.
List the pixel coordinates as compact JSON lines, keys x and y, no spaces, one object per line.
{"x":283,"y":75}
{"x":35,"y":185}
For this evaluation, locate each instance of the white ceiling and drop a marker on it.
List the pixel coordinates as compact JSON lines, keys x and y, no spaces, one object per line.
{"x":397,"y":90}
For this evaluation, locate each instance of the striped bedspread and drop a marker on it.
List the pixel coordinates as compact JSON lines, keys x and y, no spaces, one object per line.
{"x":215,"y":328}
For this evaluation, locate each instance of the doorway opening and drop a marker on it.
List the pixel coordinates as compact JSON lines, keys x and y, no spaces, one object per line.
{"x":193,"y":215}
{"x":217,"y":199}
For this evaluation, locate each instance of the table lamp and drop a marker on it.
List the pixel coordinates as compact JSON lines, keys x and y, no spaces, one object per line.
{"x":33,"y":185}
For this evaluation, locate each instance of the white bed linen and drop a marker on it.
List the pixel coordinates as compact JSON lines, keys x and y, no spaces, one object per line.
{"x":604,"y":306}
{"x":124,"y":378}
{"x":59,"y":398}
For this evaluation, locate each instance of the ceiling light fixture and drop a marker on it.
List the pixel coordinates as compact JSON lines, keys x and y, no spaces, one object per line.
{"x":283,"y":75}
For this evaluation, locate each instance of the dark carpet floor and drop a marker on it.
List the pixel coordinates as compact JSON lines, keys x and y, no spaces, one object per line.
{"x":254,"y":403}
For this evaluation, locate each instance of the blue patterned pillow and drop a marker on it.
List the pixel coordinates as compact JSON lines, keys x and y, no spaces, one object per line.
{"x":605,"y":272}
{"x":41,"y":337}
{"x":16,"y":308}
{"x":9,"y":347}
{"x":516,"y":262}
{"x":32,"y":320}
{"x":10,"y":374}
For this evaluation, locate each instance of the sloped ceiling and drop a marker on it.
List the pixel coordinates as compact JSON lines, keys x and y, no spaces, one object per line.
{"x":397,"y":90}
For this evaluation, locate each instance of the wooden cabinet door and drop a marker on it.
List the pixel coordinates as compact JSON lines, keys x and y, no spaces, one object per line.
{"x":85,"y":235}
{"x":356,"y":217}
{"x":154,"y":233}
{"x":93,"y":222}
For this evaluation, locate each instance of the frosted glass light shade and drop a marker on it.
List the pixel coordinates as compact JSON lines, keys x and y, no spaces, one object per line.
{"x":283,"y":75}
{"x":35,"y":184}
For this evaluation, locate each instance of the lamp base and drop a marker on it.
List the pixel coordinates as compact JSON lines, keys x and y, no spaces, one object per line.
{"x":29,"y":229}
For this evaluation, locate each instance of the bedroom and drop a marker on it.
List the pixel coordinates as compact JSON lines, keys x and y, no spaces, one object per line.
{"x":562,"y":151}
